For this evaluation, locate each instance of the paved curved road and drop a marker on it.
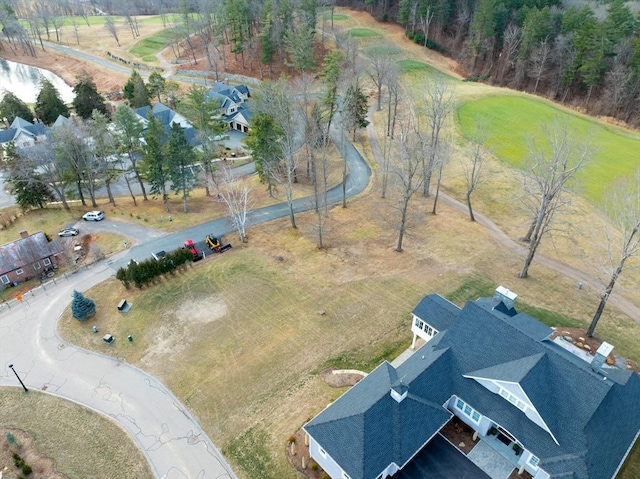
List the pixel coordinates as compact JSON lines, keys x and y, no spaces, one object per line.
{"x":170,"y":437}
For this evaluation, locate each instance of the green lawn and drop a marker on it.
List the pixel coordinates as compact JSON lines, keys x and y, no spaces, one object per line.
{"x":408,"y":66}
{"x":362,"y":33}
{"x":382,"y":50}
{"x":511,"y":121}
{"x":147,"y":47}
{"x":337,"y":16}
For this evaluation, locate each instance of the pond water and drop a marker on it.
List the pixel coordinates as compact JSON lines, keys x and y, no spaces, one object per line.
{"x":24,"y":81}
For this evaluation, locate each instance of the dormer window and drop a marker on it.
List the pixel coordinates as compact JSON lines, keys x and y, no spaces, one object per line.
{"x":513,"y":399}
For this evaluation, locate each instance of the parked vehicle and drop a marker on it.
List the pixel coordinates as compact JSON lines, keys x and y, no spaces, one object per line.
{"x":93,"y":216}
{"x":215,"y":244}
{"x":190,"y":245}
{"x":69,"y":232}
{"x":158,"y":255}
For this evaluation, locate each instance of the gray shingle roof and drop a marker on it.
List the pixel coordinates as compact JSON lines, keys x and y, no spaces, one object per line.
{"x":367,"y":434}
{"x":593,"y":418}
{"x":436,"y":311}
{"x":26,"y":251}
{"x":20,"y":125}
{"x":513,"y":371}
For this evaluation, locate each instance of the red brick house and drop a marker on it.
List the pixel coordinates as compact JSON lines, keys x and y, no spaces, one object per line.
{"x":27,"y":257}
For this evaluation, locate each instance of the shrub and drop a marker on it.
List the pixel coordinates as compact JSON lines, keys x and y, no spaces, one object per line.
{"x":17,"y":460}
{"x":11,"y":439}
{"x":26,"y":469}
{"x":82,"y":307}
{"x":314,"y":466}
{"x":292,"y":439}
{"x":477,"y":78}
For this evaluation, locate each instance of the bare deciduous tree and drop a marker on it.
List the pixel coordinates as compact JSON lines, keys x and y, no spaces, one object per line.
{"x":438,"y":105}
{"x":539,"y":59}
{"x":235,"y":193}
{"x":473,"y":166}
{"x":550,"y":170}
{"x":511,"y":43}
{"x":379,"y":69}
{"x":393,"y":94}
{"x":279,"y":104}
{"x":408,"y":176}
{"x":110,"y":25}
{"x":622,"y":240}
{"x":442,"y":158}
{"x":40,"y":157}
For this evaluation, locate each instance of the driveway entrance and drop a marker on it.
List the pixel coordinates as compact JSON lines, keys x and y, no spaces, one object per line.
{"x":440,"y":460}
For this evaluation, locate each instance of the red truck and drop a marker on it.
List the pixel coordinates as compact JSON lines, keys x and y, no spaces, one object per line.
{"x":189,"y":244}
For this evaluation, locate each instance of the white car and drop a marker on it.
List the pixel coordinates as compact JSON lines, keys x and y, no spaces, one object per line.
{"x":69,"y":232}
{"x":93,"y":216}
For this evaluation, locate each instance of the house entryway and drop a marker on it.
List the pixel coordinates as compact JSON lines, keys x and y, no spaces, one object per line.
{"x":490,"y":461}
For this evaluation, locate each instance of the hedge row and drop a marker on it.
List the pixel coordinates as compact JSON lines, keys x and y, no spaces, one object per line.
{"x":146,"y":271}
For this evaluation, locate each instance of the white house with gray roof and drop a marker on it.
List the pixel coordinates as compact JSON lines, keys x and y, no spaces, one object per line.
{"x":535,"y":403}
{"x":233,"y":108}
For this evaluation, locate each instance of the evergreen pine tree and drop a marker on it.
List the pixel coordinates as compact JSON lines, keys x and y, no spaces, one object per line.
{"x":82,"y":307}
{"x":87,"y":97}
{"x":11,"y":106}
{"x":49,"y":105}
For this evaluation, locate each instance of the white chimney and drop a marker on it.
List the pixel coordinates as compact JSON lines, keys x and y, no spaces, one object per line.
{"x":399,"y":392}
{"x":601,"y":356}
{"x":506,"y":296}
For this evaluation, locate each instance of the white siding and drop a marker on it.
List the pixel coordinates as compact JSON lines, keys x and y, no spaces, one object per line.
{"x":421,"y":328}
{"x":490,"y":385}
{"x":325,"y":461}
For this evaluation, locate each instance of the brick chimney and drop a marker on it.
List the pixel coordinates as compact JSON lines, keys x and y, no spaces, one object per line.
{"x":24,"y":234}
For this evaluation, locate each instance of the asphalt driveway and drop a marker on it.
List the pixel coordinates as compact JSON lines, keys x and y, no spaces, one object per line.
{"x":440,"y":460}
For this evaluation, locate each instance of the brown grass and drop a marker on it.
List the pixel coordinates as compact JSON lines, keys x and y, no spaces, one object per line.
{"x":253,"y":373}
{"x":81,"y":443}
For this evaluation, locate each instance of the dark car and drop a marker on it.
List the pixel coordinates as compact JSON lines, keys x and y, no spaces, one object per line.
{"x":158,"y":255}
{"x":69,"y":232}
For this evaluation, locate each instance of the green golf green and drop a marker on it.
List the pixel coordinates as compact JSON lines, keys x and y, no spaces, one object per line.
{"x":511,"y":122}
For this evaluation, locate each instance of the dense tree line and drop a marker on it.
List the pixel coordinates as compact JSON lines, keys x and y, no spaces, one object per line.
{"x":586,"y":55}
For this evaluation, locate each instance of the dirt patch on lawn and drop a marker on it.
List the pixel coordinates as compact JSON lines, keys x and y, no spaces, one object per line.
{"x":340,"y":378}
{"x":180,"y":327}
{"x":18,"y":455}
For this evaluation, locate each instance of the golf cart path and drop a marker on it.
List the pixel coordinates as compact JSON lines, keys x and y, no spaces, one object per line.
{"x":516,"y":248}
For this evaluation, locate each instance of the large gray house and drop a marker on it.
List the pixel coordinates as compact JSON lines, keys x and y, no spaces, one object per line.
{"x":541,"y":403}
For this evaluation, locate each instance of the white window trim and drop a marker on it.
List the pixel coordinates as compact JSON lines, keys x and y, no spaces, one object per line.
{"x":513,"y":399}
{"x":471,"y":410}
{"x":533,"y":458}
{"x":19,"y":272}
{"x":36,"y":266}
{"x":322,"y":452}
{"x":5,"y":279}
{"x":47,"y":262}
